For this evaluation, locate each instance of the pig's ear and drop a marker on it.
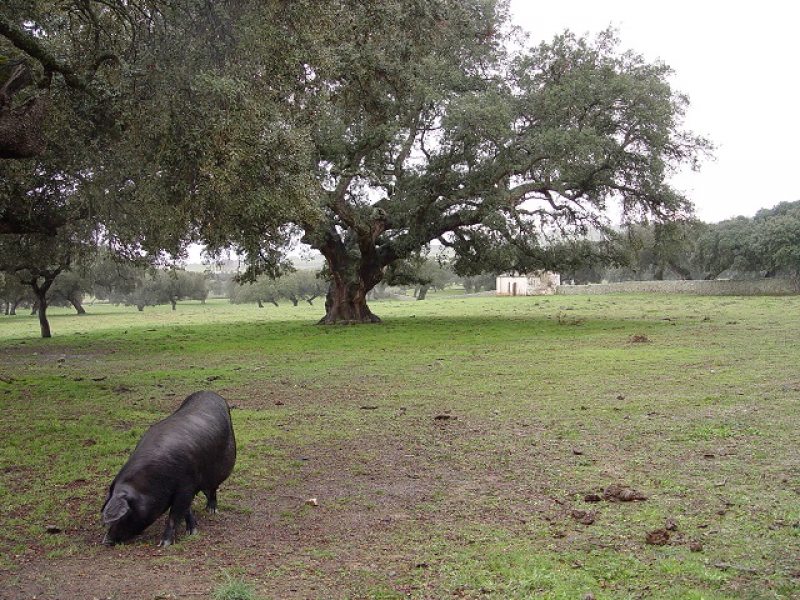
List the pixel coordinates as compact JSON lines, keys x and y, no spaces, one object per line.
{"x":116,"y":508}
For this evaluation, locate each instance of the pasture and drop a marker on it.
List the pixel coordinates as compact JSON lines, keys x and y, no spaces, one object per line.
{"x":551,"y":448}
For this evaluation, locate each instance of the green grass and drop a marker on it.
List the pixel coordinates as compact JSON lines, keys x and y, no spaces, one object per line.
{"x":552,"y":398}
{"x":235,"y":589}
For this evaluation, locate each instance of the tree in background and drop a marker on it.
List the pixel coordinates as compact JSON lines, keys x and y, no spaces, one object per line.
{"x":113,"y":278}
{"x":777,"y":239}
{"x":302,"y":284}
{"x":726,"y":246}
{"x":13,"y":293}
{"x":264,"y":289}
{"x":170,"y":286}
{"x":36,"y":261}
{"x":479,"y":151}
{"x":661,"y":250}
{"x":69,"y":289}
{"x":422,"y":272}
{"x":479,"y":283}
{"x":767,"y":244}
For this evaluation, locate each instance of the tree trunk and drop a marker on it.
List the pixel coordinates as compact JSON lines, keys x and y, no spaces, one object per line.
{"x":353,"y":275}
{"x":40,"y":291}
{"x":347,"y":305}
{"x":44,"y":324}
{"x":423,"y":291}
{"x":76,"y":304}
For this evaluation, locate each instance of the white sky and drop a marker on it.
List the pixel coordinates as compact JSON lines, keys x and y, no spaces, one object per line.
{"x":739,"y":63}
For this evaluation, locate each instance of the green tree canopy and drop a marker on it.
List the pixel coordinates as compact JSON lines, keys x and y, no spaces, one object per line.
{"x":768,"y":243}
{"x":174,"y":115}
{"x":489,"y":152}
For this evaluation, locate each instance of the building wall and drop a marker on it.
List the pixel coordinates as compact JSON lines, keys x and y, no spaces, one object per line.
{"x":534,"y":284}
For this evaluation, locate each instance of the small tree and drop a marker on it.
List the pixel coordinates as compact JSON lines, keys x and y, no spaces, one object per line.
{"x":478,"y":283}
{"x":264,"y":289}
{"x":420,"y":271}
{"x":69,"y":290}
{"x":114,"y":278}
{"x":37,"y":260}
{"x":302,"y":284}
{"x":13,"y":292}
{"x":182,"y":285}
{"x":167,"y":287}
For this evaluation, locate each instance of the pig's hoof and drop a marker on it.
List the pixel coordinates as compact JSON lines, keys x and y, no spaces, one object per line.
{"x":107,"y":541}
{"x":165,"y":543}
{"x":191,"y":531}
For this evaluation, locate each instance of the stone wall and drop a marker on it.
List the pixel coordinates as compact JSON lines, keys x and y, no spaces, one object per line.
{"x":754,"y":287}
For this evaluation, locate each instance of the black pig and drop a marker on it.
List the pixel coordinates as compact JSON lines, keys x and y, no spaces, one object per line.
{"x":193,"y":450}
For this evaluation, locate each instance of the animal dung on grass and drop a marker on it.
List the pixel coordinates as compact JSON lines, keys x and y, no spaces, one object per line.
{"x":584,"y":517}
{"x":617,"y":492}
{"x":193,"y":450}
{"x":657,"y":537}
{"x":445,"y":417}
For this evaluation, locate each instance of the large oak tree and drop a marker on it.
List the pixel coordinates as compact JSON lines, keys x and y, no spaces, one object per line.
{"x":445,"y":138}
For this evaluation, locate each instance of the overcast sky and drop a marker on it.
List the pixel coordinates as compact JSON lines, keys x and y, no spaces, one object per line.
{"x":739,"y":63}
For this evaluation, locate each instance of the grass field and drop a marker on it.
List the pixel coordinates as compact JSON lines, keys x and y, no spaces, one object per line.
{"x":555,"y":447}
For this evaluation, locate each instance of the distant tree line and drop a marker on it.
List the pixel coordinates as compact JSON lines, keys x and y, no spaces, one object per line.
{"x":108,"y":279}
{"x":766,"y":245}
{"x":302,"y":285}
{"x":104,"y":279}
{"x":307,"y":285}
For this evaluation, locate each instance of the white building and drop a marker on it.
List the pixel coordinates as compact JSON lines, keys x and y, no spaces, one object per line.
{"x":539,"y":283}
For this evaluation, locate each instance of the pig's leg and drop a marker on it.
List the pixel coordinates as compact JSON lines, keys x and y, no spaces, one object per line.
{"x":211,"y":500}
{"x":181,"y":509}
{"x":191,"y":523}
